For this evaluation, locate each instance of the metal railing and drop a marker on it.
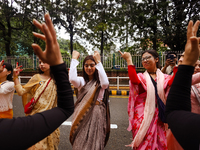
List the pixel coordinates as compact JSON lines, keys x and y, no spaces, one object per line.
{"x":23,"y":77}
{"x":110,"y":61}
{"x":118,"y":82}
{"x":118,"y":85}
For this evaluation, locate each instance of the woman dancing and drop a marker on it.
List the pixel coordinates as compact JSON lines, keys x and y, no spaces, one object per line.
{"x":91,"y":120}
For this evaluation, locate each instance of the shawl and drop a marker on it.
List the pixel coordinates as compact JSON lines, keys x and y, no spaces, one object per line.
{"x":150,"y":104}
{"x":33,"y":83}
{"x":35,"y":86}
{"x":47,"y":100}
{"x":86,"y":99}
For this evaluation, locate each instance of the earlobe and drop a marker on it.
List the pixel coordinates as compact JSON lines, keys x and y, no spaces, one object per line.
{"x":156,"y":59}
{"x":9,"y":72}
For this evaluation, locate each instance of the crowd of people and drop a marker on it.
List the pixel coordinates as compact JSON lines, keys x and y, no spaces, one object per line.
{"x":163,"y":110}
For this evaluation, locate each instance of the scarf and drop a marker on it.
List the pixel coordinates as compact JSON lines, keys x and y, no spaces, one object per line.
{"x":149,"y":109}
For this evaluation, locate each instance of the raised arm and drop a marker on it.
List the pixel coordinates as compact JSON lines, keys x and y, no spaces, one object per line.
{"x":167,"y":63}
{"x":127,"y":57}
{"x":131,"y":68}
{"x":18,"y":87}
{"x":23,"y":132}
{"x":73,"y":77}
{"x":102,"y":74}
{"x":21,"y":90}
{"x":184,"y":124}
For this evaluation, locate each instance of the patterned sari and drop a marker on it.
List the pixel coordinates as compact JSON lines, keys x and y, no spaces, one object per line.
{"x":91,"y":123}
{"x":47,"y":100}
{"x":147,"y":129}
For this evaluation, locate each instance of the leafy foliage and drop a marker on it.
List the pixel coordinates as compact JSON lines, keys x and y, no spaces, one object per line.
{"x":136,"y":25}
{"x":65,"y":47}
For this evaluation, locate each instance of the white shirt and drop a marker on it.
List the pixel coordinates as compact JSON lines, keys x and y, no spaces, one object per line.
{"x":79,"y":82}
{"x":6,"y":96}
{"x":169,"y":70}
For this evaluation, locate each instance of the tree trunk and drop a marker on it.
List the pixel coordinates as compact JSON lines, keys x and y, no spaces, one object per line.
{"x":102,"y":47}
{"x":155,"y":27}
{"x":71,"y":37}
{"x":8,"y":38}
{"x":71,"y":42}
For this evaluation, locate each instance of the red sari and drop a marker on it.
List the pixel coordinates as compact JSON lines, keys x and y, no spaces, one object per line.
{"x":155,"y":137}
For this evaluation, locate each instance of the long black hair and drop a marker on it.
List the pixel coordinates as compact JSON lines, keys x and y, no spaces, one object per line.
{"x":95,"y":75}
{"x":9,"y":68}
{"x":154,"y":54}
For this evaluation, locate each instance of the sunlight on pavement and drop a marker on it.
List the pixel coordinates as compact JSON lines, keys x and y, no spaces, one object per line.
{"x":69,"y":123}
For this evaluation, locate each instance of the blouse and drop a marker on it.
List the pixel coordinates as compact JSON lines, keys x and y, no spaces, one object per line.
{"x":135,"y":80}
{"x":79,"y":82}
{"x":6,"y":92}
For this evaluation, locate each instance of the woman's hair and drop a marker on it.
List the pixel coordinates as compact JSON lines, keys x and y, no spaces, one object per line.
{"x":154,"y":54}
{"x":168,"y":54}
{"x":9,"y":68}
{"x":85,"y":76}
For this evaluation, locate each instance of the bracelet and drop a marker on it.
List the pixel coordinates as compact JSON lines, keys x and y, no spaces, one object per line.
{"x":16,"y":77}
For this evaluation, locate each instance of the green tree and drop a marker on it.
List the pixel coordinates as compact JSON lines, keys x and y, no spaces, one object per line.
{"x":175,"y":17}
{"x":124,"y":23}
{"x":97,"y":23}
{"x":10,"y":20}
{"x":67,"y":16}
{"x":65,"y":47}
{"x":16,"y":26}
{"x":146,"y":18}
{"x":152,"y":22}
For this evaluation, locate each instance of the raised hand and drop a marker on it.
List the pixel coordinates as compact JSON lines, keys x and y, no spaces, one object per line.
{"x":167,"y":62}
{"x":192,"y":46}
{"x":17,"y":70}
{"x":75,"y":55}
{"x":51,"y":54}
{"x":127,"y":57}
{"x":97,"y":57}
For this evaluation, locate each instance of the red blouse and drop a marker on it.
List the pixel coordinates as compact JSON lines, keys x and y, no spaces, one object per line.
{"x":135,"y":80}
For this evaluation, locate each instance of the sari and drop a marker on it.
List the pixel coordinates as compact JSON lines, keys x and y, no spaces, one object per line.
{"x":47,"y":100}
{"x":7,"y":114}
{"x":91,"y":123}
{"x":147,"y":129}
{"x":172,"y":143}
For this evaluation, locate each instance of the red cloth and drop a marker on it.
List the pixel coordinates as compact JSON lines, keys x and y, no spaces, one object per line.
{"x":134,"y":78}
{"x":172,"y":79}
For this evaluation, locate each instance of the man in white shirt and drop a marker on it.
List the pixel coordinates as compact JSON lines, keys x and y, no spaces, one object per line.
{"x":170,"y":63}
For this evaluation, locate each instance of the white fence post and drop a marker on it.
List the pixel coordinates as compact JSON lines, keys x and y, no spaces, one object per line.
{"x":19,"y":79}
{"x":117,"y":82}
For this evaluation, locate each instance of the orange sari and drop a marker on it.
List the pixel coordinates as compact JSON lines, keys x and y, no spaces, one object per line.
{"x":7,"y":114}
